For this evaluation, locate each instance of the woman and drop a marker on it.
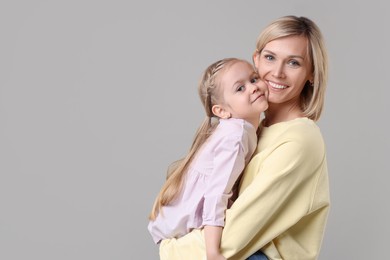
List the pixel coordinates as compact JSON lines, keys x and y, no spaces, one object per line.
{"x":283,"y":203}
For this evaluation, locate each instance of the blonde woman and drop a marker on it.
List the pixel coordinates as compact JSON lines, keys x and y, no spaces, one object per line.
{"x":197,"y":193}
{"x":283,"y":201}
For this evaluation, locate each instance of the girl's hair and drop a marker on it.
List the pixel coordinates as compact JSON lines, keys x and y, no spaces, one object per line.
{"x":210,"y":95}
{"x":313,"y":94}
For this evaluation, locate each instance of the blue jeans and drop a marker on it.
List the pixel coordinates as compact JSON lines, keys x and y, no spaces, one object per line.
{"x":258,"y":256}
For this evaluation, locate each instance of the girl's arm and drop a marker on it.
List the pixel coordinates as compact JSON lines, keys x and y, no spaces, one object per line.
{"x":213,"y":236}
{"x":228,"y":163}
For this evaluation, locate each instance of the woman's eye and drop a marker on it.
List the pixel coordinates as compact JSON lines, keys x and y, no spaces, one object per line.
{"x":293,"y":63}
{"x":268,"y":57}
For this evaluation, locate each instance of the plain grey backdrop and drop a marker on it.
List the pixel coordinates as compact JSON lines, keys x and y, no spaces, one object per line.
{"x":98,"y":97}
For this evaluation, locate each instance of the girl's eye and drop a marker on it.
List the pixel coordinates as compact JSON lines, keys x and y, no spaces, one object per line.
{"x":240,"y":88}
{"x":254,"y":80}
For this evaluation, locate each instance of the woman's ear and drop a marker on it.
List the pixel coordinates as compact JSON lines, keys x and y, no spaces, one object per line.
{"x":255,"y":58}
{"x":220,"y":112}
{"x":311,"y":80}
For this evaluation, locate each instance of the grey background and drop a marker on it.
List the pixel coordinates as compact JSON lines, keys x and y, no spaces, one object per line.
{"x":98,"y":97}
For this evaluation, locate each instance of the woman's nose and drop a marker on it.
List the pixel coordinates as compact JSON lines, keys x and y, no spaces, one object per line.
{"x":278,"y":71}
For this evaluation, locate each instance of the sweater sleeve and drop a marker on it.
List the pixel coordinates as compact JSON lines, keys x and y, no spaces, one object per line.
{"x":276,"y":193}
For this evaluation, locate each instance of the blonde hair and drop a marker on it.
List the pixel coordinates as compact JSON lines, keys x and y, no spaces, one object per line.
{"x":210,"y":94}
{"x":313,"y":94}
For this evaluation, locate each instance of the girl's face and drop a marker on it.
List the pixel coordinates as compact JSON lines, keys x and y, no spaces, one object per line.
{"x":244,"y":95}
{"x":284,"y":64}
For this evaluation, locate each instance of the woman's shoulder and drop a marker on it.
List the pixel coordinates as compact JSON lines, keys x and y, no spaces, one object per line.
{"x":299,"y":126}
{"x":304,"y":132}
{"x":303,"y":127}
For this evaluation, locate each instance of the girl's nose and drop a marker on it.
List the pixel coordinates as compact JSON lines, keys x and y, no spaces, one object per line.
{"x":254,"y":88}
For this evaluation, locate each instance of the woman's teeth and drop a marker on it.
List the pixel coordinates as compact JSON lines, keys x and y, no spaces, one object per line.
{"x":274,"y":85}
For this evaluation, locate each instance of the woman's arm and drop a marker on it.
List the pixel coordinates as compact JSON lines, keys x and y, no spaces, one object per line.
{"x":275,"y":194}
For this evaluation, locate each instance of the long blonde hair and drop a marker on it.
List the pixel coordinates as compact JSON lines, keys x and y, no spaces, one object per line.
{"x":210,"y":95}
{"x":313,"y":94}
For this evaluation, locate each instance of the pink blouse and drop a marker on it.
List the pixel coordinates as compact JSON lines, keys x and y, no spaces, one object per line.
{"x":209,"y":181}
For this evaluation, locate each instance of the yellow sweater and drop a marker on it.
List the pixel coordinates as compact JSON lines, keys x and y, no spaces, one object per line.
{"x":283,"y":203}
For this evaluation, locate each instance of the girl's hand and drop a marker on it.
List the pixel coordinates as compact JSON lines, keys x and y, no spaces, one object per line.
{"x":216,"y":257}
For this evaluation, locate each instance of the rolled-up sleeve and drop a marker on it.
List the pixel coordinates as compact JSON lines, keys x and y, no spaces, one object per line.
{"x":229,"y":162}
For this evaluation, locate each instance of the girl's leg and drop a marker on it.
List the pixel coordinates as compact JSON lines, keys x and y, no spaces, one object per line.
{"x":258,"y":256}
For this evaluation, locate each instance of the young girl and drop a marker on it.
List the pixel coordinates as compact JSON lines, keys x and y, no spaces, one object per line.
{"x":196,"y":193}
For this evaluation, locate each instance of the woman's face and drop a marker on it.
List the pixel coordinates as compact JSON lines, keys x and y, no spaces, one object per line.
{"x":284,"y":64}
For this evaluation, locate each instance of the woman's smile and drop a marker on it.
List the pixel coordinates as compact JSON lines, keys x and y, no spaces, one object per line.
{"x":276,"y":85}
